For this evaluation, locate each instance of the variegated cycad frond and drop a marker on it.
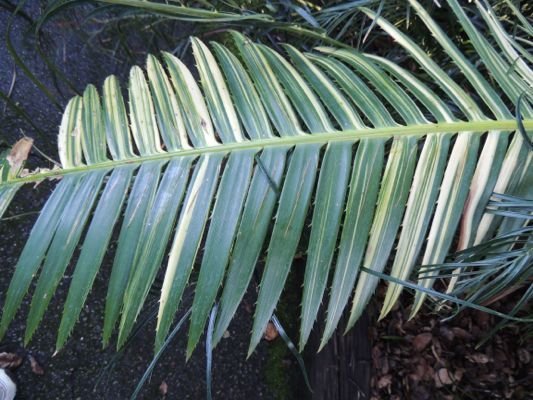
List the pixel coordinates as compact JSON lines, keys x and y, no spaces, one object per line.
{"x":376,"y":151}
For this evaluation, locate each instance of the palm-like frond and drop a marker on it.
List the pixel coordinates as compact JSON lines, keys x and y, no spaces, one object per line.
{"x":264,"y":135}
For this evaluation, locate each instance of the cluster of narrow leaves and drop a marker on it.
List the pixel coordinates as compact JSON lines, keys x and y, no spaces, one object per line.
{"x":380,"y":155}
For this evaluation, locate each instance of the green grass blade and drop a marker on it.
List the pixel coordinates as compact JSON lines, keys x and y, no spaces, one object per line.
{"x":62,"y":247}
{"x":189,"y":232}
{"x":290,"y":218}
{"x":94,"y":247}
{"x":364,"y":185}
{"x":6,"y":195}
{"x":158,"y":355}
{"x":222,"y":230}
{"x":256,"y":217}
{"x":192,"y":14}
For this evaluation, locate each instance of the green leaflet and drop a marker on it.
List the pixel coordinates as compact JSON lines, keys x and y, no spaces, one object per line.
{"x":364,"y":185}
{"x":191,"y":224}
{"x":452,"y":196}
{"x":389,"y":210}
{"x":139,"y":202}
{"x":35,"y":249}
{"x":95,"y":245}
{"x":290,"y":218}
{"x":153,"y":239}
{"x":424,"y":190}
{"x":223,"y":227}
{"x":329,"y":206}
{"x":65,"y":240}
{"x":252,"y":231}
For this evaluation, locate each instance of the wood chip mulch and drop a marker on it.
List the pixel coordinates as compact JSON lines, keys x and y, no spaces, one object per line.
{"x":427,"y":359}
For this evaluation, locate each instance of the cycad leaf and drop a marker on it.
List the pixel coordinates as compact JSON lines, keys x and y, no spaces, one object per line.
{"x":303,"y":138}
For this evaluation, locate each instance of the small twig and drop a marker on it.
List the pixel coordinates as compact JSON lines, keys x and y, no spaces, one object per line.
{"x":11,"y":87}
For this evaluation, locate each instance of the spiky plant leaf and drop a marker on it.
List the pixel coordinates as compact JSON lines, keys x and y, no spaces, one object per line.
{"x":263,"y":143}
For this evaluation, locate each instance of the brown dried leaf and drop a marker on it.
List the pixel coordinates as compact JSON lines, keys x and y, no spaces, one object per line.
{"x":385,"y":381}
{"x":271,"y":332}
{"x":10,"y":360}
{"x":478,"y":358}
{"x":19,"y":154}
{"x":421,"y":341}
{"x":443,"y":378}
{"x":461,"y":333}
{"x":35,"y":367}
{"x":163,"y":389}
{"x":524,"y":356}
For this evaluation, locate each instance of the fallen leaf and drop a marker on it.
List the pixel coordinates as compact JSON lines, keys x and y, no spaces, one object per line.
{"x":385,"y":381}
{"x":478,"y":358}
{"x":421,"y":341}
{"x":10,"y":360}
{"x":524,"y":356}
{"x":163,"y":389}
{"x":35,"y":367}
{"x":271,"y":332}
{"x":461,"y":333}
{"x":18,"y":155}
{"x":442,"y":378}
